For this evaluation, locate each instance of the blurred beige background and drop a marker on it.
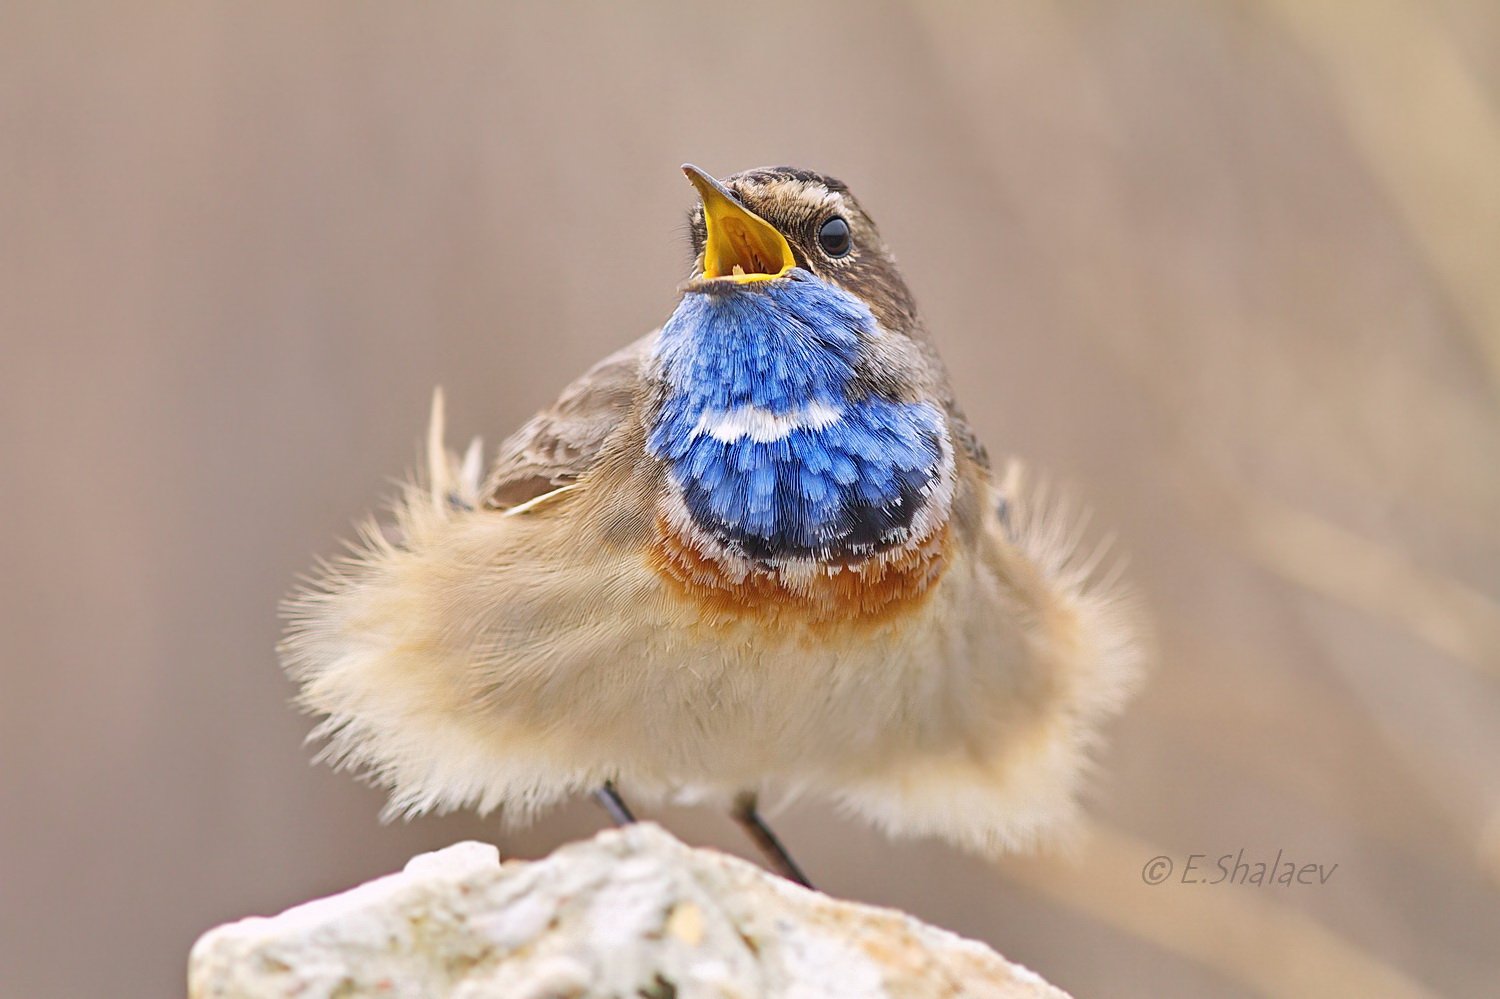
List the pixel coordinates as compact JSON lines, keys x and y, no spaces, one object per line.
{"x":1230,"y":269}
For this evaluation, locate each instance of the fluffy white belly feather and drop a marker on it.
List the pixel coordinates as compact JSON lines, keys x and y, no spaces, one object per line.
{"x":493,"y":659}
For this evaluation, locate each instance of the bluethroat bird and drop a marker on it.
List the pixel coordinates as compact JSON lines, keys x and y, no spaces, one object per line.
{"x":758,"y":548}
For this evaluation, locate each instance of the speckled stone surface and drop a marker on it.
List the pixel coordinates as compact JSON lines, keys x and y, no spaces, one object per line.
{"x":631,"y":912}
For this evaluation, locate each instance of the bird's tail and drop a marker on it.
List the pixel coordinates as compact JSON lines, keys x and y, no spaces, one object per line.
{"x":1051,"y":528}
{"x":453,"y":479}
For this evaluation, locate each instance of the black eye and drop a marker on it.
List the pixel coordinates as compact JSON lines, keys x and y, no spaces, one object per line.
{"x":833,"y":237}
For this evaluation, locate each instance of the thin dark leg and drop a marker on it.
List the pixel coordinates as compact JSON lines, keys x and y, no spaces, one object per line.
{"x":610,"y":800}
{"x":765,"y":840}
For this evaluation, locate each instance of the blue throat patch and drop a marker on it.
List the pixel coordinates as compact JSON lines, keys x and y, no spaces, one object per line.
{"x":772,"y":453}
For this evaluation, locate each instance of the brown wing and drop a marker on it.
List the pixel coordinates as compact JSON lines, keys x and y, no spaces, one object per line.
{"x":559,"y":444}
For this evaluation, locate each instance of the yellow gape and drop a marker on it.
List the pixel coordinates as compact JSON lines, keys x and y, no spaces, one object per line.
{"x":741,"y":246}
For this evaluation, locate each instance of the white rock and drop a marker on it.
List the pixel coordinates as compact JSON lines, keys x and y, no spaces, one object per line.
{"x":632,"y":912}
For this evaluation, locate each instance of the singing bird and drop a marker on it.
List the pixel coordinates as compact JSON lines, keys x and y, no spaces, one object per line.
{"x":757,"y":549}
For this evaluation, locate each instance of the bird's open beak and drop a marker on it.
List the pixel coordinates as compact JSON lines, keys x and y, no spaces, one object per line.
{"x":741,"y":246}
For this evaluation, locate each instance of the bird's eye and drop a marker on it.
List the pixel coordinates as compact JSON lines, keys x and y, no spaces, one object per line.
{"x":833,"y":237}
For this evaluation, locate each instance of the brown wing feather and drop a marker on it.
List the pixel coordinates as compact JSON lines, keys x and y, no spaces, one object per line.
{"x":560,"y":443}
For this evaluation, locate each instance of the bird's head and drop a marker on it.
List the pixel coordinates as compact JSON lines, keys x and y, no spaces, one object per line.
{"x":760,"y":225}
